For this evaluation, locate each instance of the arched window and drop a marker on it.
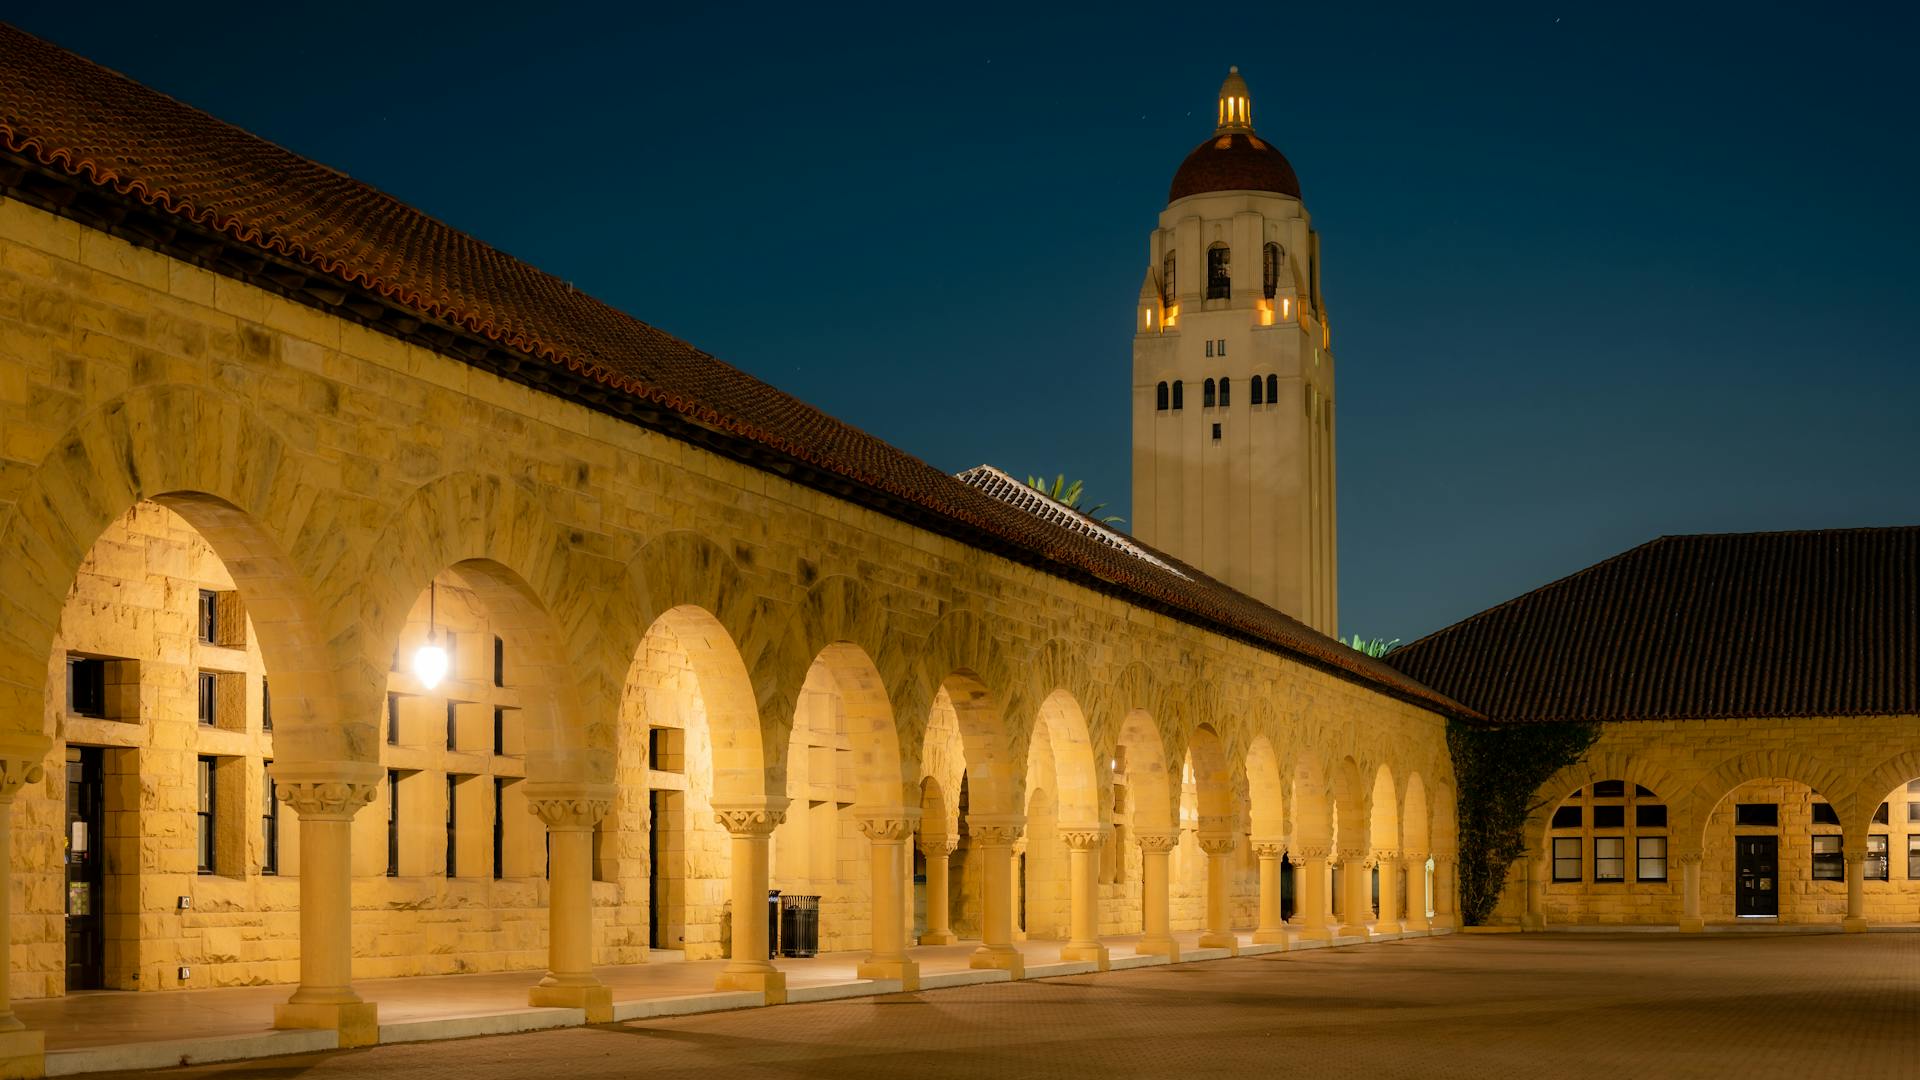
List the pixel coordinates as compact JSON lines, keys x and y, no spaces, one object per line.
{"x":1257,"y":399}
{"x":1226,"y":392}
{"x":1160,"y":397}
{"x":1219,"y":272}
{"x":1273,"y":389}
{"x":1166,"y":281}
{"x":1206,"y":395}
{"x":1270,"y":270}
{"x":1178,"y":397}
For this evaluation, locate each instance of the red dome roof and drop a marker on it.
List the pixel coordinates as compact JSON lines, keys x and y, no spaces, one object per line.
{"x":1234,"y":161}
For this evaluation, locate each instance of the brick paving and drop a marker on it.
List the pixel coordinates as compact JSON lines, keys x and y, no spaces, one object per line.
{"x":1574,"y":1005}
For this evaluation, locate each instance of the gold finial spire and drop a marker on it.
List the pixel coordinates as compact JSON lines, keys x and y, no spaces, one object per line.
{"x":1236,"y":106}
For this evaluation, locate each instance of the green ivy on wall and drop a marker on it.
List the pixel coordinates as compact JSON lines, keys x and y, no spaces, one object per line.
{"x":1499,"y":770}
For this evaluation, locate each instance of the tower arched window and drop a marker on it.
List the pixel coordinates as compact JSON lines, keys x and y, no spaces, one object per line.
{"x":1166,"y":281}
{"x":1273,"y":389}
{"x":1226,"y":392}
{"x":1160,"y":397}
{"x":1255,"y":398}
{"x":1206,"y":395}
{"x":1179,"y":397}
{"x":1270,"y":270}
{"x":1219,"y":272}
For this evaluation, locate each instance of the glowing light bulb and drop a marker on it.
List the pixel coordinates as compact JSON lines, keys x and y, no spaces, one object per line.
{"x":430,"y":664}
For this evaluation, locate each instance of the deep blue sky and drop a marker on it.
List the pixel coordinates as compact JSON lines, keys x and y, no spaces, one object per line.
{"x":1595,"y":273}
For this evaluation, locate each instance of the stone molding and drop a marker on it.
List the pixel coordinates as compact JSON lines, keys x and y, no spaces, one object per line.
{"x":17,"y":772}
{"x":889,"y":828}
{"x":1157,"y":842}
{"x":1386,"y":855}
{"x":750,"y":820}
{"x":1416,"y":858}
{"x":569,"y":812}
{"x":1317,"y":852}
{"x":1353,"y":854}
{"x":1269,"y":849}
{"x":326,"y":800}
{"x":938,"y":847}
{"x":1083,"y":838}
{"x":1217,"y":845}
{"x":995,"y":830}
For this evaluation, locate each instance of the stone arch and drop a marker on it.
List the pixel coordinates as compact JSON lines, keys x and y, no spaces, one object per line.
{"x":1719,"y":782}
{"x":1874,"y":787}
{"x":1312,"y":802}
{"x":214,"y":462}
{"x":740,"y":775}
{"x":1416,"y":823}
{"x":1213,"y":781}
{"x":1383,"y":819}
{"x":1350,"y":798}
{"x":1151,"y":786}
{"x":963,"y":661}
{"x":936,"y":812}
{"x":1061,"y":728}
{"x":1610,"y":765}
{"x":1265,"y":792}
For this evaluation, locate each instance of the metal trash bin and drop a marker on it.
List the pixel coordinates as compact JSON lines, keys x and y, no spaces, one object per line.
{"x":773,"y":923}
{"x":799,"y":925}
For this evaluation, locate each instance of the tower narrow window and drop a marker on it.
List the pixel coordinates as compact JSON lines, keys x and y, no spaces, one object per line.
{"x":1219,"y":272}
{"x":1206,"y":395}
{"x":1160,"y":397}
{"x":1209,"y":346}
{"x":1256,"y":398}
{"x":1273,"y":389}
{"x":1270,"y":270}
{"x":1226,"y":392}
{"x":1178,"y":396}
{"x":1166,"y":281}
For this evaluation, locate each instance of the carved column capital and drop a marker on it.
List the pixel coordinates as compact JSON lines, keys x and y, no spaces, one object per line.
{"x":1083,"y":837}
{"x":327,"y":791}
{"x":892,"y":827}
{"x":938,"y":847}
{"x":1445,"y":858}
{"x":1159,"y":842}
{"x":1415,"y":858}
{"x":757,"y":819}
{"x":1320,"y":852}
{"x":1269,"y":849}
{"x":16,"y":773}
{"x":1688,"y":858}
{"x":995,"y":830}
{"x":1353,"y":854}
{"x":1215,"y":844}
{"x":569,"y":811}
{"x":1386,"y":855}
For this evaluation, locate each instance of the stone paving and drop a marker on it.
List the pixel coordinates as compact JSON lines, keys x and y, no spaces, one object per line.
{"x":1552,"y":1005}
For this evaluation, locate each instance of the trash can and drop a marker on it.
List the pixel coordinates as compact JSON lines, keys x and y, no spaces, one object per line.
{"x":799,"y":925}
{"x":773,"y":923}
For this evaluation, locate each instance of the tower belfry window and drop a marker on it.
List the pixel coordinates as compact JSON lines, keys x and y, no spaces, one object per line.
{"x":1226,"y":395}
{"x":1270,"y":270}
{"x":1160,"y":397}
{"x":1206,"y":395}
{"x":1178,"y":395}
{"x":1219,"y":272}
{"x":1273,"y":389}
{"x":1256,"y":398}
{"x":1166,"y":281}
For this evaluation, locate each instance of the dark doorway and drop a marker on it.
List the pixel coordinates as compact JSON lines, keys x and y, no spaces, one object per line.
{"x":86,"y":814}
{"x":666,"y":913}
{"x":1286,"y":889}
{"x":1756,"y":876}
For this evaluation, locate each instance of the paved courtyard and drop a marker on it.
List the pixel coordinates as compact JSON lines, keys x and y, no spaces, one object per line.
{"x":1648,"y":1005}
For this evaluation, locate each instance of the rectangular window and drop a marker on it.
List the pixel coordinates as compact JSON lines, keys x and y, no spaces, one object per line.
{"x":1877,"y":857}
{"x":1880,"y":815}
{"x":205,"y":815}
{"x":1651,"y":858}
{"x":453,"y":725}
{"x":1609,"y":817}
{"x":209,"y":711}
{"x":393,"y":823}
{"x":1650,"y":816}
{"x":1913,"y":787}
{"x":1913,"y":812}
{"x":1567,"y":817}
{"x":87,"y":687}
{"x":1913,"y":857}
{"x":1823,"y":814}
{"x":209,"y":616}
{"x":1757,"y":814}
{"x":1610,"y":789}
{"x":499,"y":661}
{"x":499,"y":730}
{"x":1209,"y":346}
{"x":266,"y":706}
{"x":1221,"y":350}
{"x":1216,"y":433}
{"x":393,"y":719}
{"x":1609,"y":858}
{"x":453,"y":822}
{"x":1829,"y":864}
{"x":1566,"y":858}
{"x":269,"y":822}
{"x":499,"y":827}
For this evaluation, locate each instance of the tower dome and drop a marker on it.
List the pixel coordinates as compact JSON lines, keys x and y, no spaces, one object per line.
{"x":1234,"y":158}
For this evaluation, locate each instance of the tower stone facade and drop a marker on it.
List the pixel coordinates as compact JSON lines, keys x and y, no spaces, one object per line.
{"x":1233,"y":448}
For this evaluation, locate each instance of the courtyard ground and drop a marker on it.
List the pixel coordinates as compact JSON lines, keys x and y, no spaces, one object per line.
{"x":1547,"y":1005}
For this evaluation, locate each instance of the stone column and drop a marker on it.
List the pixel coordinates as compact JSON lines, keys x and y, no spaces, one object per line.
{"x":1272,"y":929}
{"x":1417,"y":899}
{"x":1156,"y":920}
{"x":326,"y":795}
{"x":1313,"y":893}
{"x":1219,"y":930}
{"x":1388,"y":921}
{"x":887,"y":835}
{"x":23,"y":1052}
{"x":1856,"y":920}
{"x":1446,"y":892}
{"x":570,"y":812}
{"x":937,"y":849}
{"x":750,"y":825}
{"x":1355,"y":894}
{"x":1083,"y":866}
{"x":993,"y":836}
{"x":1690,"y":920}
{"x":1535,"y":869}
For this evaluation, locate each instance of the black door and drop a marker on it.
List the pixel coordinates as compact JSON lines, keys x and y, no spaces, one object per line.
{"x":86,"y":948}
{"x":1286,"y":888}
{"x":1757,"y":875}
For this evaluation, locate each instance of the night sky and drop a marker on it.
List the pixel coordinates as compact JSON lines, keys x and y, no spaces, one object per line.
{"x":1595,"y":273}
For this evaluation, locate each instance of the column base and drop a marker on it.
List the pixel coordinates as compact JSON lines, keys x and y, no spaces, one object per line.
{"x":1358,"y":930}
{"x":1080,"y":954}
{"x":1315,"y":933}
{"x":23,"y":1054}
{"x":1695,"y":925}
{"x":939,"y":937}
{"x":1533,"y":921}
{"x":358,"y":1022}
{"x":999,"y":958}
{"x":1853,"y":925}
{"x":595,"y":998}
{"x":1229,"y":942}
{"x":772,"y":982}
{"x":907,"y":971}
{"x":1419,"y":927}
{"x":1166,"y":947}
{"x":1270,"y":937}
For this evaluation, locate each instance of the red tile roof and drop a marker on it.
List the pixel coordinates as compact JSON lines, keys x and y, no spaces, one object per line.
{"x":1698,"y":627}
{"x":1236,"y":161}
{"x":206,"y":182}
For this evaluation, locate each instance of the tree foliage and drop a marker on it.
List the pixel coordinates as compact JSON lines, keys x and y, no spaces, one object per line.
{"x":1374,"y":647}
{"x":1067,"y":493}
{"x":1499,"y":770}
